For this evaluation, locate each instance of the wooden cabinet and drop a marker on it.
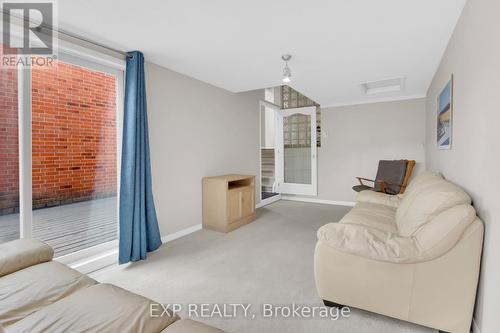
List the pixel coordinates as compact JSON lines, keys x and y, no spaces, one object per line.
{"x":228,"y":202}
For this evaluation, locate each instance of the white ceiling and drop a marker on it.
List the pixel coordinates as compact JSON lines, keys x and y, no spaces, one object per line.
{"x":237,"y":45}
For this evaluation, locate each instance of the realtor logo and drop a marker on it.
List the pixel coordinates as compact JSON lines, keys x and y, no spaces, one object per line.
{"x":28,"y":28}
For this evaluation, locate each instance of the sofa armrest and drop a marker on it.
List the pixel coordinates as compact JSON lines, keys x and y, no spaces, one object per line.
{"x":22,"y":253}
{"x":445,"y":230}
{"x":369,"y":242}
{"x":379,"y":198}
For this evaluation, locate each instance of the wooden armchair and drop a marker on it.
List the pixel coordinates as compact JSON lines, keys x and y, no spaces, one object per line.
{"x":392,"y":177}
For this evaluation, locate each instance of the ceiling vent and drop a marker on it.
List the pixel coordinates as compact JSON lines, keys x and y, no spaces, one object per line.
{"x":383,"y":86}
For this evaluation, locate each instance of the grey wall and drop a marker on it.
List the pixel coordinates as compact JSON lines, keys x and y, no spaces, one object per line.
{"x":361,"y":135}
{"x":196,"y":130}
{"x":473,"y":56}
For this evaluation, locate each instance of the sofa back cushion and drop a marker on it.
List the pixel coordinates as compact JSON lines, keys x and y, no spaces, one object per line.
{"x":421,"y":179}
{"x":425,"y":202}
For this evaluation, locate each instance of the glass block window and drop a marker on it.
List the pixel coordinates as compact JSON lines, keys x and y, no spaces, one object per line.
{"x":295,"y":128}
{"x":297,"y":131}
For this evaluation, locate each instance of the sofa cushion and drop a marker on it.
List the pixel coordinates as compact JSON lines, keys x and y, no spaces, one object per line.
{"x":21,"y":253}
{"x":433,"y":240}
{"x":30,"y":289}
{"x":425,"y":202}
{"x":190,"y":326}
{"x":369,"y":242}
{"x":372,"y":215}
{"x":100,"y":308}
{"x":379,"y":198}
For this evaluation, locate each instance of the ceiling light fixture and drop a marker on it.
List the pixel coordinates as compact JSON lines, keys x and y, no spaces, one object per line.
{"x":287,"y":73}
{"x":384,"y":86}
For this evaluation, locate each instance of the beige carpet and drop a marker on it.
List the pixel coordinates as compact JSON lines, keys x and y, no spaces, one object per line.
{"x":267,"y":261}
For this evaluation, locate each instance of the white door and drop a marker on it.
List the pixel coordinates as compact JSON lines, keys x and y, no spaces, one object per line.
{"x":296,"y":163}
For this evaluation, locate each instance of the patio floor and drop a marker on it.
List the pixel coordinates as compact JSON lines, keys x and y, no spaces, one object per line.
{"x":68,"y":228}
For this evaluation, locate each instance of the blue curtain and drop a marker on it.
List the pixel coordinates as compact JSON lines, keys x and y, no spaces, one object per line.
{"x":139,"y":232}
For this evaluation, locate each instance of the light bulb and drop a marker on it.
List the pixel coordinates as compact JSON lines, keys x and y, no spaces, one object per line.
{"x":287,"y":73}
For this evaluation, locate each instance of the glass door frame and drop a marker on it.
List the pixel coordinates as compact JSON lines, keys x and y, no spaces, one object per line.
{"x":79,"y":56}
{"x":295,"y":188}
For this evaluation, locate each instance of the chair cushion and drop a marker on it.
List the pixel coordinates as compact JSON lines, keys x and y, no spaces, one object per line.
{"x":30,"y":289}
{"x":21,"y":253}
{"x":100,"y":308}
{"x":392,"y":172}
{"x":372,"y":215}
{"x":425,"y":202}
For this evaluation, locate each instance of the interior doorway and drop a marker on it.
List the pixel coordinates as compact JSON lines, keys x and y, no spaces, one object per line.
{"x":295,"y":151}
{"x":268,"y":111}
{"x":288,"y":147}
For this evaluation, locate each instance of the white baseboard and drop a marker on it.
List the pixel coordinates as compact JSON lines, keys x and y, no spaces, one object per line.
{"x":109,"y":257}
{"x":180,"y":233}
{"x":315,"y":200}
{"x":475,"y":328}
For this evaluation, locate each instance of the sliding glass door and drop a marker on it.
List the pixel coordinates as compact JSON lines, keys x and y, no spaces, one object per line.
{"x":74,"y":172}
{"x":75,"y":107}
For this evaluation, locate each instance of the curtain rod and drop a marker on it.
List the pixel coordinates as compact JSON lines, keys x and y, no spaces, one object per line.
{"x":42,"y":26}
{"x":83,"y":39}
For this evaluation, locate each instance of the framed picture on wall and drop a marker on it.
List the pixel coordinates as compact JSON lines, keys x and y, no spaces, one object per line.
{"x":444,"y":116}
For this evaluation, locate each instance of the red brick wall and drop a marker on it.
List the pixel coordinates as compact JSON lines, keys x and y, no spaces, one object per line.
{"x":9,"y":158}
{"x":74,"y":136}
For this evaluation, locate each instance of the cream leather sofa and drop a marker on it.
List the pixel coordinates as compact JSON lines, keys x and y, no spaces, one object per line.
{"x":41,"y":295}
{"x":414,"y":257}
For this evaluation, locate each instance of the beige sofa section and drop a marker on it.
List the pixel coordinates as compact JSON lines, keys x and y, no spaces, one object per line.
{"x":190,"y":326}
{"x":41,"y":295}
{"x":33,"y":252}
{"x":33,"y":288}
{"x":413,"y":257}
